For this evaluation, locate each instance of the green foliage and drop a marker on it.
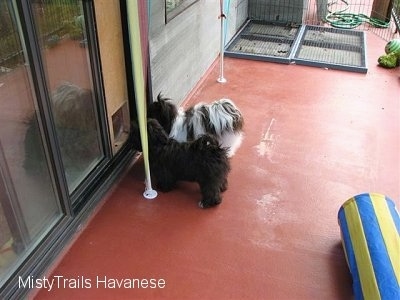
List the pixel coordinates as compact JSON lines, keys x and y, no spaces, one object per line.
{"x":10,"y":51}
{"x":389,"y":61}
{"x":54,"y":20}
{"x":55,"y":17}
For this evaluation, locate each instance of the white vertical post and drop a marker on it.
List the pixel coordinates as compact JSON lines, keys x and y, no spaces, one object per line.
{"x":221,"y":78}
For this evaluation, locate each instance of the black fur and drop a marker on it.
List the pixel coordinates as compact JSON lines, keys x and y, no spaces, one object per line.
{"x":164,"y":111}
{"x":203,"y":161}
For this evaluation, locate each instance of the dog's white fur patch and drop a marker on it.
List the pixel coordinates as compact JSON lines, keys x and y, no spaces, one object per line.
{"x":221,"y":119}
{"x":179,"y":130}
{"x":231,"y":141}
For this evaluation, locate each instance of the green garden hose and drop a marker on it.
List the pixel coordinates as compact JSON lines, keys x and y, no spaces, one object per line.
{"x":342,"y":19}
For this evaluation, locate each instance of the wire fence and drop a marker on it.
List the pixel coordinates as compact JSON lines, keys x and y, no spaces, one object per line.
{"x":54,"y":19}
{"x":10,"y":46}
{"x":378,"y":16}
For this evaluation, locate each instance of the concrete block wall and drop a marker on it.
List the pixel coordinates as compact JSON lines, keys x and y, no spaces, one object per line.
{"x":182,"y":50}
{"x":277,"y":10}
{"x":237,"y":14}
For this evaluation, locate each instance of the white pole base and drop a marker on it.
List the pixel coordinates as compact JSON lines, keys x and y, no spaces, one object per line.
{"x":150,"y":194}
{"x":221,"y":80}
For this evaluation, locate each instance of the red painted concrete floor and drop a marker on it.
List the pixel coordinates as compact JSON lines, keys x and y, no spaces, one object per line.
{"x":314,"y":138}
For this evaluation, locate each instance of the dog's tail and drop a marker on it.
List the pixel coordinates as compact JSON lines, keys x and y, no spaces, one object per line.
{"x":208,"y":140}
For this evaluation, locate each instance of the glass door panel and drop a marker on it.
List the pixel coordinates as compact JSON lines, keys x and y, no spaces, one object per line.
{"x":29,"y":205}
{"x":62,"y":33}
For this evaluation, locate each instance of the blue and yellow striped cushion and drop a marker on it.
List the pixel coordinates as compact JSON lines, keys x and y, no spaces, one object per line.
{"x":370,"y":227}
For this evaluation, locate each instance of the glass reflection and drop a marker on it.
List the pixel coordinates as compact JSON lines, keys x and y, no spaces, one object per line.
{"x":61,"y":26}
{"x":29,"y":206}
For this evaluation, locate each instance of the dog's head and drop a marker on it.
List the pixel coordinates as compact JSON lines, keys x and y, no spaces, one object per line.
{"x":164,"y":111}
{"x":155,"y":134}
{"x":73,"y":108}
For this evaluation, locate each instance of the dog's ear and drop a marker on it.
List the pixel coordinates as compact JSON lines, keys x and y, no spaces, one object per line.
{"x":160,"y":98}
{"x":155,"y":132}
{"x":164,"y":101}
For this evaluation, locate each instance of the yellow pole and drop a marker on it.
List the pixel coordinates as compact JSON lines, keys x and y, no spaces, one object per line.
{"x":140,"y":87}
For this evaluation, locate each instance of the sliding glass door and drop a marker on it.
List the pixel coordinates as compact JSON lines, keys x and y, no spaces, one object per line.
{"x":55,"y":147}
{"x":64,"y":49}
{"x":30,"y":205}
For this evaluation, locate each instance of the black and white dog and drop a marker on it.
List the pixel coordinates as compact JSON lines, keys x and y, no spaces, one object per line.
{"x":221,"y":118}
{"x":203,"y":161}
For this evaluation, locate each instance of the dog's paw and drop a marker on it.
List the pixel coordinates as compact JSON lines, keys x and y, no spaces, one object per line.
{"x":224,"y":186}
{"x":204,"y":204}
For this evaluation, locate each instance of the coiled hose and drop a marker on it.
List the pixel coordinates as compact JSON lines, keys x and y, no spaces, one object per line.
{"x":345,"y":20}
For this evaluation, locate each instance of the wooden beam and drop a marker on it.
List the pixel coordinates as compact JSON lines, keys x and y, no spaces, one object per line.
{"x":381,"y":9}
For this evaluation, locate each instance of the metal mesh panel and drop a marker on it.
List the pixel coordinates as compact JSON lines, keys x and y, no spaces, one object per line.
{"x":332,"y":48}
{"x":272,"y":31}
{"x":264,"y":41}
{"x":278,"y":10}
